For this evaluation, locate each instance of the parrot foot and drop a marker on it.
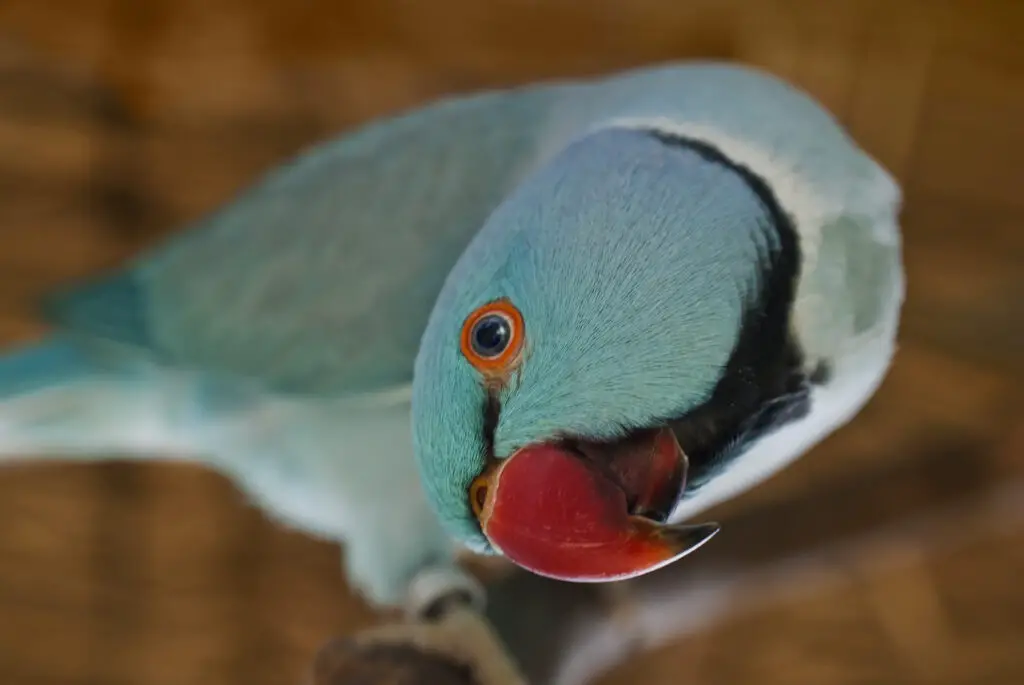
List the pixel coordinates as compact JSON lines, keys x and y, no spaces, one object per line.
{"x":433,"y":591}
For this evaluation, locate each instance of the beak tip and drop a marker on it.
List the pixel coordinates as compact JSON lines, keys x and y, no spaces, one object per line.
{"x":683,"y":540}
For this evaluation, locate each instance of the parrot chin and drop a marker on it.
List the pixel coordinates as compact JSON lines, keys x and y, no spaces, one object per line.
{"x":587,"y":511}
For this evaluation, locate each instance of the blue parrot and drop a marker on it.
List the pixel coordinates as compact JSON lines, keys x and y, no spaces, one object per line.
{"x":554,"y":322}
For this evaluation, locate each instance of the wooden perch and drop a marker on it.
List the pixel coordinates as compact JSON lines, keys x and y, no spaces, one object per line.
{"x":544,"y":632}
{"x":459,"y":648}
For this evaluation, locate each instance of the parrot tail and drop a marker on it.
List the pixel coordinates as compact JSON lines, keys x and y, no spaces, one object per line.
{"x":60,"y":401}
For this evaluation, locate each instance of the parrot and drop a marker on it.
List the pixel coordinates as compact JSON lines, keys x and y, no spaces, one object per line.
{"x":553,"y":322}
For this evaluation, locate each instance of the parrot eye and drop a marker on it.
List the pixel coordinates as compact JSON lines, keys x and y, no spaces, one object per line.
{"x":492,"y":337}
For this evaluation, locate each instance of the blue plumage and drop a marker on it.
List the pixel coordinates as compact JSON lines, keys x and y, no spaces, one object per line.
{"x":39,"y":366}
{"x":649,"y":226}
{"x":623,"y":326}
{"x":114,"y":307}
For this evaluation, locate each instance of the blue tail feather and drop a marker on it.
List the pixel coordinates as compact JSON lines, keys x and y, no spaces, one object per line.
{"x":64,"y":397}
{"x":35,"y":367}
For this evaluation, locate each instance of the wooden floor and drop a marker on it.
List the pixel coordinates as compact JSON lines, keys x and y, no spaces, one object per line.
{"x":121,"y":119}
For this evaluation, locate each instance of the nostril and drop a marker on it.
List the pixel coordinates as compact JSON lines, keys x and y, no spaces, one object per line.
{"x":478,"y":496}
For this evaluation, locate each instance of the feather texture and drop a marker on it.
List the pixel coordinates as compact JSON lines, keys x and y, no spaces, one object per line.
{"x":277,"y":339}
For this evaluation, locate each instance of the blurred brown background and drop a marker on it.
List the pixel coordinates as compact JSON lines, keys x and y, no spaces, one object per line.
{"x":121,"y":119}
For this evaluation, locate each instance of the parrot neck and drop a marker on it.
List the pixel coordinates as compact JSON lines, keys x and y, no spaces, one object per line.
{"x":765,"y":384}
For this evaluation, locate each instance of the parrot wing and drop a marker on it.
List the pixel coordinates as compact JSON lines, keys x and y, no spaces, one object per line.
{"x":274,"y":341}
{"x":320,"y":279}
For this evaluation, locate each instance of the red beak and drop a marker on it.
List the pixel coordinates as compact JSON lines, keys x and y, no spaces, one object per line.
{"x":572,"y":513}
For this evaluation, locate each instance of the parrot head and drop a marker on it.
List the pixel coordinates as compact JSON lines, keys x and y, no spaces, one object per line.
{"x":598,"y":303}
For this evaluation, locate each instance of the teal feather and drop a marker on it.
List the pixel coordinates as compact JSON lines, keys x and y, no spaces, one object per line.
{"x":624,"y":326}
{"x":39,"y":366}
{"x":275,"y":339}
{"x":113,"y":307}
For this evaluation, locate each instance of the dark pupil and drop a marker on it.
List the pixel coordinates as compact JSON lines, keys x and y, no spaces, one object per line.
{"x":491,"y":336}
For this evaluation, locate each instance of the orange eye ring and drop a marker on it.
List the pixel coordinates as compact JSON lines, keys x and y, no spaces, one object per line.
{"x":492,"y":338}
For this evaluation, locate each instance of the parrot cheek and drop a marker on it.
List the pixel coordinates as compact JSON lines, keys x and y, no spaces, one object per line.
{"x":555,"y":512}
